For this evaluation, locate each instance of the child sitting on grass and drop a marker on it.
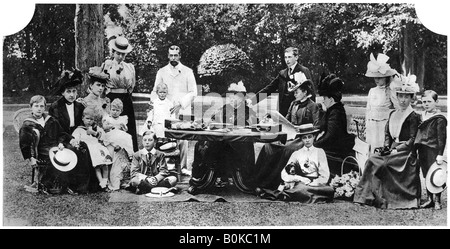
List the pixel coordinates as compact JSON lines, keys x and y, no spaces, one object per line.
{"x":149,"y":167}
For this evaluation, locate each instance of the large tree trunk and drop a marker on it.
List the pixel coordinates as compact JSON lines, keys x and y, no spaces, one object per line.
{"x":89,"y":35}
{"x":413,"y":58}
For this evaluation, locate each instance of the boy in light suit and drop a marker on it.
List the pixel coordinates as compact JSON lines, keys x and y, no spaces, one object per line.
{"x":149,"y":167}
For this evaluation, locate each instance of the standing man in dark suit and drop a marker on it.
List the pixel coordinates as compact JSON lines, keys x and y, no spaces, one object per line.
{"x":286,"y":76}
{"x":66,"y":110}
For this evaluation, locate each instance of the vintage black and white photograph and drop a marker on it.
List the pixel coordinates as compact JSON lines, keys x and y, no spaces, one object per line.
{"x":237,"y":115}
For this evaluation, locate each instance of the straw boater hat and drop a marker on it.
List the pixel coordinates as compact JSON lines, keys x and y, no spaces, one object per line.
{"x":436,"y":178}
{"x":307,"y":129}
{"x":378,"y":67}
{"x":160,"y":192}
{"x":405,"y":84}
{"x":120,"y":44}
{"x":63,"y":160}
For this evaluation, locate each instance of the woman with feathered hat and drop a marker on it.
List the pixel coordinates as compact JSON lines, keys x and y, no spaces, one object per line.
{"x":391,"y":178}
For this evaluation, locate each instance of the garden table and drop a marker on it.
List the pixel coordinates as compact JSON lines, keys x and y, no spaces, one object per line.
{"x":234,"y":135}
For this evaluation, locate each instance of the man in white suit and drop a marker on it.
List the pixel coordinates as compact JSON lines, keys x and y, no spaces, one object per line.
{"x":182,"y":89}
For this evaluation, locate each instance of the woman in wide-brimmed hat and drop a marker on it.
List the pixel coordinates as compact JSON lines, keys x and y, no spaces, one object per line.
{"x":430,"y":142}
{"x":122,"y":80}
{"x":380,"y":100}
{"x":391,"y":177}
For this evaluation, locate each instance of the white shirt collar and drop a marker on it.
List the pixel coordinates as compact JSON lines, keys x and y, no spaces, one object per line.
{"x":308,"y":149}
{"x":293,"y":67}
{"x":145,"y":151}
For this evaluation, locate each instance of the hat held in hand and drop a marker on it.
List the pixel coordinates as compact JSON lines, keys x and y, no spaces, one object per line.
{"x":63,"y":160}
{"x":436,"y":178}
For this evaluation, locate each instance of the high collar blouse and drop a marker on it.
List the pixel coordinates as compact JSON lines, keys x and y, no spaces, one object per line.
{"x":122,"y":75}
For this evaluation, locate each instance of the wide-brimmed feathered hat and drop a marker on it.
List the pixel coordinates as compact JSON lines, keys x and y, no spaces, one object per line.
{"x":68,"y":79}
{"x":378,"y":67}
{"x":97,"y":74}
{"x":405,"y":84}
{"x":306,"y":85}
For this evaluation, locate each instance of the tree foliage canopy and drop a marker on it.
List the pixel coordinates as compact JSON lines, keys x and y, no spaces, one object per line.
{"x":332,"y":37}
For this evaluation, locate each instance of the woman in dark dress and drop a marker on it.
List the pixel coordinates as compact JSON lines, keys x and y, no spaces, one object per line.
{"x":333,"y":137}
{"x":274,"y":156}
{"x":223,"y":156}
{"x":391,"y":178}
{"x":69,"y":112}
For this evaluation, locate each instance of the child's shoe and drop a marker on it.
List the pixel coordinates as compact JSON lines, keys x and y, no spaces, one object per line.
{"x":103,"y":183}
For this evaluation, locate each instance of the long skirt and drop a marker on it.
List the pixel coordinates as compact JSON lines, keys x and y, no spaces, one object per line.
{"x":80,"y":179}
{"x":390,"y":182}
{"x":271,"y":161}
{"x":128,"y":110}
{"x":301,"y":193}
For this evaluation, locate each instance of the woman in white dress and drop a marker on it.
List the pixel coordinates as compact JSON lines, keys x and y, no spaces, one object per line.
{"x":380,"y":101}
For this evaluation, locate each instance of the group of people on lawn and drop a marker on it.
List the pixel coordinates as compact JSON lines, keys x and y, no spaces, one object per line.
{"x":100,"y":132}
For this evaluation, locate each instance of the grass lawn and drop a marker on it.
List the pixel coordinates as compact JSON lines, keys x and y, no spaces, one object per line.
{"x":21,"y":208}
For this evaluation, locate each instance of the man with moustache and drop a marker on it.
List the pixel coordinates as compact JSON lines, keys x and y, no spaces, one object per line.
{"x":182,"y":89}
